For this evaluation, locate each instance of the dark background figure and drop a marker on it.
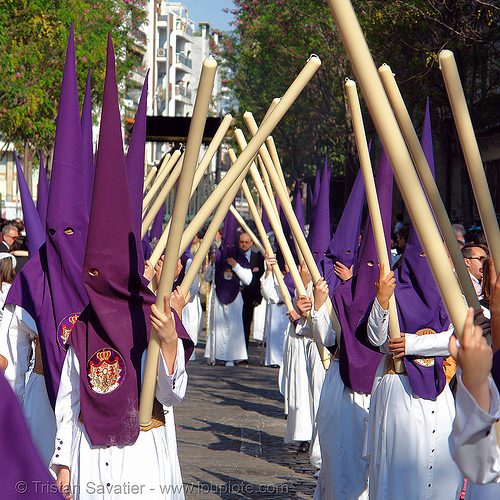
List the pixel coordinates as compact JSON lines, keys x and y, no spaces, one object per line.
{"x":20,"y":250}
{"x":251,"y":293}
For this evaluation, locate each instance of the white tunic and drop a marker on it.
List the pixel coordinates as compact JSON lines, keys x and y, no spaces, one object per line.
{"x":192,"y":312}
{"x":407,"y":436}
{"x":17,"y":333}
{"x":147,"y":470}
{"x":259,"y":321}
{"x":225,"y":321}
{"x":276,"y":321}
{"x":473,"y":443}
{"x":341,"y":426}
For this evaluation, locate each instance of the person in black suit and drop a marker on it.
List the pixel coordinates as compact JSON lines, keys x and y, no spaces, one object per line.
{"x":251,"y":293}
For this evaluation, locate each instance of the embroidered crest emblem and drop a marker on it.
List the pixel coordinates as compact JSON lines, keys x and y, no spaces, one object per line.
{"x":228,"y":274}
{"x":64,"y":328}
{"x":424,"y":361}
{"x":105,"y":370}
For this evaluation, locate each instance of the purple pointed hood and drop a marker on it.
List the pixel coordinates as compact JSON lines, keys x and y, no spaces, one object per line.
{"x":157,"y":227}
{"x":42,"y":194}
{"x":87,"y":144}
{"x":319,"y":227}
{"x":227,"y":284}
{"x":113,"y":330}
{"x":23,"y":473}
{"x":34,"y":230}
{"x":50,"y":285}
{"x":315,"y":193}
{"x":299,"y":213}
{"x":265,"y":221}
{"x":345,"y":242}
{"x":135,"y":167}
{"x":418,"y":300}
{"x":358,"y":363}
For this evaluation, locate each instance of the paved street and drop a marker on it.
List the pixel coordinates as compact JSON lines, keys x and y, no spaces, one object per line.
{"x":230,"y":430}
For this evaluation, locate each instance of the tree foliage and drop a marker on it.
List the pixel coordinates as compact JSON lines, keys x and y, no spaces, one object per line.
{"x":273,"y":38}
{"x":33,"y":39}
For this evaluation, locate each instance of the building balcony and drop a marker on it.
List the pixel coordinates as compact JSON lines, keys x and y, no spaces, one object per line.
{"x":183,"y":30}
{"x":183,"y":61}
{"x":183,"y":94}
{"x":138,"y":75}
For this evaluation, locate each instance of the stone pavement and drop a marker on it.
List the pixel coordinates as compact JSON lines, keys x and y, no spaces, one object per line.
{"x":230,"y":430}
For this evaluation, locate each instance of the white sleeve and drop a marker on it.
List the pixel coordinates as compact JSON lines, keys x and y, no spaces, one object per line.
{"x":171,"y":388}
{"x":209,"y":273}
{"x":67,"y":409}
{"x":378,"y":325}
{"x":322,"y":326}
{"x":268,"y":289}
{"x":428,"y":345}
{"x":473,"y":440}
{"x":245,"y":275}
{"x":17,"y":331}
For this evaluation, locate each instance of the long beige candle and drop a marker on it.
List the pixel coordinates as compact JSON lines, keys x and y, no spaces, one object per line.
{"x":263,"y":236}
{"x":193,"y":144}
{"x":198,"y":176}
{"x":242,"y":143}
{"x":287,"y":208}
{"x":429,"y":183}
{"x":251,"y":150}
{"x":471,"y":152}
{"x":271,"y":146}
{"x":287,"y":254}
{"x":373,"y":204}
{"x":241,"y":221}
{"x":162,"y":195}
{"x":160,"y":178}
{"x":395,"y":147}
{"x":149,"y":178}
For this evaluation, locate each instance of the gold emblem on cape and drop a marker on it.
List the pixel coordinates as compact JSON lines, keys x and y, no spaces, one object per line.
{"x":421,"y":360}
{"x":104,"y":375}
{"x":66,"y":329}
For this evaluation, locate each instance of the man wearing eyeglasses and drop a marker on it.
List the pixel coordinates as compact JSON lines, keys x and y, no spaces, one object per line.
{"x":9,"y":235}
{"x":474,"y":257}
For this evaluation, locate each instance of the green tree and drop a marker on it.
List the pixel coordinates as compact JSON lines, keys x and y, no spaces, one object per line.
{"x":33,"y":39}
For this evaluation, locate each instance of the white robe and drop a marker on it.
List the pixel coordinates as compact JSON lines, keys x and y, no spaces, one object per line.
{"x":407,"y":436}
{"x":276,"y":320}
{"x":192,"y":312}
{"x":259,"y":321}
{"x":473,"y":443}
{"x":341,"y":426}
{"x":150,"y":465}
{"x":225,"y":321}
{"x":17,"y":333}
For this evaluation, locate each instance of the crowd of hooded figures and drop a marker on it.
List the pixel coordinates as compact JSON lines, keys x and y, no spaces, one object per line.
{"x":382,"y":418}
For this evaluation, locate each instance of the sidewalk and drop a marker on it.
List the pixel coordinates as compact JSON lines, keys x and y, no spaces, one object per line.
{"x":230,"y":430}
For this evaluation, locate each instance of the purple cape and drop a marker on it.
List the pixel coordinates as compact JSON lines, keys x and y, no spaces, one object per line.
{"x":227,"y":284}
{"x":50,"y":285}
{"x":359,"y":363}
{"x":87,"y":144}
{"x":23,"y":473}
{"x":419,"y":302}
{"x":112,"y":332}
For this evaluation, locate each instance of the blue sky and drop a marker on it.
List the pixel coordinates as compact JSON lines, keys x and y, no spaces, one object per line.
{"x":211,"y":12}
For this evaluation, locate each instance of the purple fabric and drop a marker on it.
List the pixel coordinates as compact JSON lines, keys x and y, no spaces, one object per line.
{"x":34,"y":229}
{"x":135,"y":168}
{"x":184,"y":258}
{"x":42,"y":194}
{"x":113,"y":330}
{"x":87,"y":144}
{"x":227,"y":284}
{"x":146,"y":247}
{"x":157,"y":227}
{"x":265,"y":221}
{"x":299,"y":213}
{"x":23,"y":473}
{"x":495,"y":369}
{"x":418,"y":300}
{"x":315,"y":193}
{"x":345,"y":242}
{"x":50,"y":285}
{"x":359,"y":363}
{"x":319,"y":227}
